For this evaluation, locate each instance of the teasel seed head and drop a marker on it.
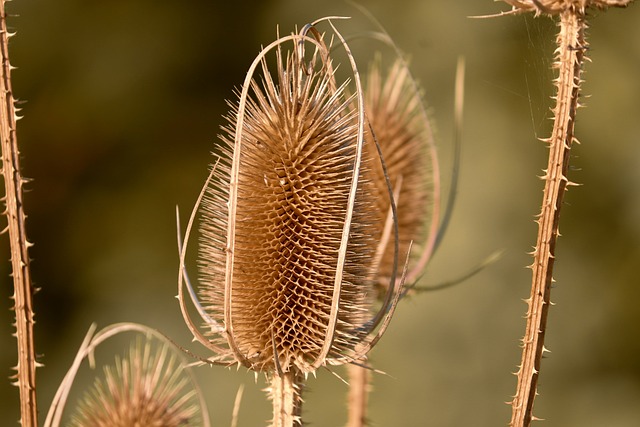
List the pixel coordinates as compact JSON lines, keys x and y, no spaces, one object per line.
{"x":146,"y":388}
{"x":399,"y":124}
{"x":288,"y":220}
{"x":151,"y":386}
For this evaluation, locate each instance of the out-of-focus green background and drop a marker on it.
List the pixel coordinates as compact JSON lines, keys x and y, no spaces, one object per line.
{"x":123,"y":104}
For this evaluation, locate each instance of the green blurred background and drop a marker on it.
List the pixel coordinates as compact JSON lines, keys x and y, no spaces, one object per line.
{"x":123,"y":104}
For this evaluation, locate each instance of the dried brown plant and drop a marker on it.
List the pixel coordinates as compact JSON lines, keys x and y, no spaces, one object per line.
{"x":570,"y":56}
{"x":287,"y":248}
{"x":313,"y":197}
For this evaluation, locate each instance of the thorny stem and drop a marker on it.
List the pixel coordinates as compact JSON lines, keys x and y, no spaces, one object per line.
{"x":569,"y":58}
{"x":23,"y":290}
{"x":286,"y":397}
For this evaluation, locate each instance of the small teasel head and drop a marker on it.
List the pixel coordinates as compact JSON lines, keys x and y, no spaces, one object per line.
{"x":145,"y":388}
{"x":288,"y":218}
{"x":151,"y":385}
{"x":398,"y":123}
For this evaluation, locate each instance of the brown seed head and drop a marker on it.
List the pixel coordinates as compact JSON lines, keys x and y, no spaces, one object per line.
{"x":289,"y":219}
{"x":147,"y":388}
{"x":400,"y":127}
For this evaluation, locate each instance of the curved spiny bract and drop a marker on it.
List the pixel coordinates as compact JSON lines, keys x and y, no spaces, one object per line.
{"x":396,"y":117}
{"x":273,"y":262}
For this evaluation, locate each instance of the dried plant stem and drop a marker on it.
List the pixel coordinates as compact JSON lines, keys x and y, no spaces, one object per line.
{"x":286,"y":397}
{"x":23,"y":290}
{"x":359,"y":387}
{"x":569,"y":59}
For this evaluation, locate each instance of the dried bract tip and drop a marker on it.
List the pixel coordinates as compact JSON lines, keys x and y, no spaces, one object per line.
{"x":147,"y":388}
{"x":288,"y":218}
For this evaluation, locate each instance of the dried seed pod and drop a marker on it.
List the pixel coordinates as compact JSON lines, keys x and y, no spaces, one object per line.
{"x":151,"y":386}
{"x":147,"y":388}
{"x":288,"y":220}
{"x":398,"y":123}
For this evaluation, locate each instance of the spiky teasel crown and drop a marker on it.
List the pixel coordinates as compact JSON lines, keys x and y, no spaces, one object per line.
{"x":288,"y":220}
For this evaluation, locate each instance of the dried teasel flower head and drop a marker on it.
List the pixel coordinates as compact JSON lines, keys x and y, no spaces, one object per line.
{"x":397,"y":121}
{"x":553,"y":7}
{"x":150,"y":386}
{"x":288,"y":219}
{"x":146,"y":388}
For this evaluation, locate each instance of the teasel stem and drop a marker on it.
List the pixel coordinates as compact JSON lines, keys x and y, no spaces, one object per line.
{"x":285,"y":393}
{"x":22,"y":287}
{"x":358,"y":400}
{"x":569,"y":58}
{"x":570,"y":55}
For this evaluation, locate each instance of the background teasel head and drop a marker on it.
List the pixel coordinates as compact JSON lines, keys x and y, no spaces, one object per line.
{"x":288,"y":219}
{"x":398,"y":123}
{"x":150,"y":386}
{"x":144,"y":388}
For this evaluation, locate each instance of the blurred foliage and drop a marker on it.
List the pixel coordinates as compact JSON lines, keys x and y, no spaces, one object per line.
{"x":123,"y":103}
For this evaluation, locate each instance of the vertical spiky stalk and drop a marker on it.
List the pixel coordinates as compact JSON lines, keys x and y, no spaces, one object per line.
{"x":23,"y":290}
{"x":285,"y":393}
{"x":570,"y":55}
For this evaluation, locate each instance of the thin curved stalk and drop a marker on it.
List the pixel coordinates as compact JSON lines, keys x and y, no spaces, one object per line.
{"x":435,"y":229}
{"x":342,"y":254}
